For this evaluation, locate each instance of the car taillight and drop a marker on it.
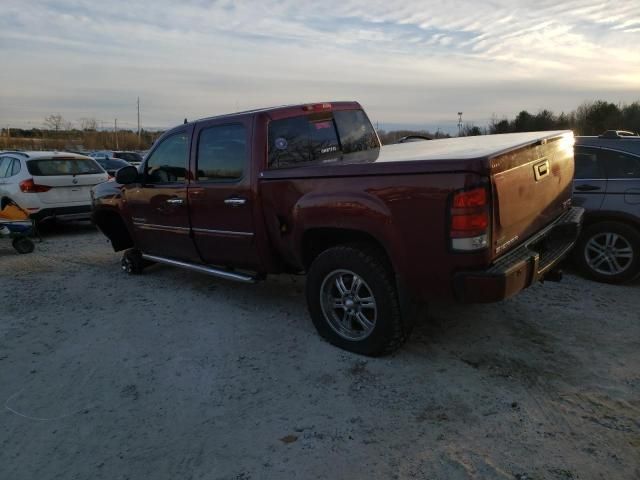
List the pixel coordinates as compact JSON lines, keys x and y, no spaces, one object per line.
{"x":28,"y":186}
{"x":469,"y":228}
{"x":317,"y":107}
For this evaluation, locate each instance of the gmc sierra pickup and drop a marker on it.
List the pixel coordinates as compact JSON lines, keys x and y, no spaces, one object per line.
{"x":378,"y":230}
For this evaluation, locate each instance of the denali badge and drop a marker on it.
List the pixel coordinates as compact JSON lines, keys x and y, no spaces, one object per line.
{"x":507,"y":244}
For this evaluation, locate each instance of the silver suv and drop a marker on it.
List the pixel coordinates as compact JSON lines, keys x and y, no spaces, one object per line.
{"x":607,"y":185}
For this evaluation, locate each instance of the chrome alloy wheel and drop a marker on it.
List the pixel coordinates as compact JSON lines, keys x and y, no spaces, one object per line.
{"x":348,"y":305}
{"x":608,"y":253}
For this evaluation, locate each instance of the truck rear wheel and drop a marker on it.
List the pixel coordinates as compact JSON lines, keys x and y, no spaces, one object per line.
{"x":353,"y":300}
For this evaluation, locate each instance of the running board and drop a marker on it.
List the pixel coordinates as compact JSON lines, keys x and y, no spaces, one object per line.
{"x":216,"y":272}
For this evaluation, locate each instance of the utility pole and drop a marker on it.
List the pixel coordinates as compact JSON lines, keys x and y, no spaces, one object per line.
{"x":138,"y":122}
{"x":459,"y":124}
{"x":115,"y":131}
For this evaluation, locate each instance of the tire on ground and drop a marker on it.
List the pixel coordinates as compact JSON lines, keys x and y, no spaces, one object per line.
{"x":23,"y":245}
{"x":389,"y":332}
{"x":629,"y":233}
{"x":132,"y":262}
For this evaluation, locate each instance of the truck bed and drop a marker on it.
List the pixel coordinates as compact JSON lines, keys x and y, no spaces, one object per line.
{"x":529,"y":174}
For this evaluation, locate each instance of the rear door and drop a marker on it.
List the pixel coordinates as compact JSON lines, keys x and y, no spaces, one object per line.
{"x":220,"y":197}
{"x":65,"y":180}
{"x":158,"y":205}
{"x":590,"y":182}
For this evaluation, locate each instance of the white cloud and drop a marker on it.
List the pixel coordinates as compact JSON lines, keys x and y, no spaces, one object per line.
{"x":407,"y":61}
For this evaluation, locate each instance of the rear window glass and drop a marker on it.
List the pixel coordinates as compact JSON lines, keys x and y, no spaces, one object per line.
{"x":322,"y":137}
{"x":63,"y":166}
{"x":355,"y":130}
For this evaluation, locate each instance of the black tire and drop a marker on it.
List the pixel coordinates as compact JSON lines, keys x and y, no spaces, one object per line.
{"x":132,"y":262}
{"x":627,"y":234}
{"x":388,"y":331}
{"x":23,"y":245}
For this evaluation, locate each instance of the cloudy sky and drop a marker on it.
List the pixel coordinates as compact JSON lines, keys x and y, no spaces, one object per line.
{"x":408,"y":62}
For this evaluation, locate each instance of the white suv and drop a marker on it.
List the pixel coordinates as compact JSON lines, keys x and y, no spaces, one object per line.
{"x":50,"y":184}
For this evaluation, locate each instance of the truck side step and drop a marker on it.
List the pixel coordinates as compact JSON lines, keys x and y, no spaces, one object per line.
{"x":216,"y":272}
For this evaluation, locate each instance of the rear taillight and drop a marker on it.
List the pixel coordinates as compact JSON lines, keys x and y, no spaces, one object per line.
{"x":469,"y":227}
{"x":28,"y":186}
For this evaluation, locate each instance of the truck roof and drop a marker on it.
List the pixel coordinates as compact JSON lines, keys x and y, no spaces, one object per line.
{"x":282,"y":111}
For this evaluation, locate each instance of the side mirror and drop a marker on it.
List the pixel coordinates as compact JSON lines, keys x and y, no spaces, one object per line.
{"x":127,"y":175}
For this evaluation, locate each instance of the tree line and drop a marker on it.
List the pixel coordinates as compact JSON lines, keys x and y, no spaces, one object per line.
{"x":590,"y":118}
{"x":60,"y":134}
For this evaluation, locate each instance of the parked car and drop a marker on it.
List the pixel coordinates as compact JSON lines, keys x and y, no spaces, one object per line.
{"x":133,"y":158}
{"x":111,"y":165}
{"x":378,"y":230}
{"x":50,"y":184}
{"x":607,"y":185}
{"x":413,"y":138}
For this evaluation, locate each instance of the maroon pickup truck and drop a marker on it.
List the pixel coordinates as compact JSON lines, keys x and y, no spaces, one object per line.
{"x":378,"y":230}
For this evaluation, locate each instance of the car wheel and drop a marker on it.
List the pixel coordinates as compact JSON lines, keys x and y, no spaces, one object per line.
{"x":609,"y":252}
{"x":132,"y":262}
{"x":23,"y":245}
{"x":353,"y":300}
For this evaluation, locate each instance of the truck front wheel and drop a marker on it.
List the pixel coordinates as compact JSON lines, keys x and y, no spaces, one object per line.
{"x":353,"y":300}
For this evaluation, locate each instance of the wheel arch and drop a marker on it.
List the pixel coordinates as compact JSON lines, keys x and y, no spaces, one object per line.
{"x":318,"y":239}
{"x":112,"y":225}
{"x":600,"y":216}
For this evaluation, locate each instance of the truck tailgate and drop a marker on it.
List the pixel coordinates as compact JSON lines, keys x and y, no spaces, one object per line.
{"x":531,"y":187}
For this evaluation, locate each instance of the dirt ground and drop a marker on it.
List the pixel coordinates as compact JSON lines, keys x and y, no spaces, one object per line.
{"x":176,"y":375}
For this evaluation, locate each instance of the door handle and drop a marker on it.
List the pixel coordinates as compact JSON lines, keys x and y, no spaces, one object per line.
{"x":586,"y":188}
{"x":175,"y":201}
{"x":235,"y":201}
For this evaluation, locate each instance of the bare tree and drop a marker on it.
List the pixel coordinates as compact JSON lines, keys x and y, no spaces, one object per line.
{"x":88,"y":124}
{"x":54,"y":122}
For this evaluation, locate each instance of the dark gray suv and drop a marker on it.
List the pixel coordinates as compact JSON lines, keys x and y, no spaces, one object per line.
{"x":607,"y":185}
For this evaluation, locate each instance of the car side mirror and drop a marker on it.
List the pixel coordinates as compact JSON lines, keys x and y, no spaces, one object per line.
{"x":127,"y":175}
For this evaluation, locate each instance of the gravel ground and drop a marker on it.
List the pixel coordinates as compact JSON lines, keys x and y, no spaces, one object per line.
{"x":176,"y":375}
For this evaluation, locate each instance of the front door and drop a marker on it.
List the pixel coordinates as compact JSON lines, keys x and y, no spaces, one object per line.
{"x":220,"y":199}
{"x":158,"y":205}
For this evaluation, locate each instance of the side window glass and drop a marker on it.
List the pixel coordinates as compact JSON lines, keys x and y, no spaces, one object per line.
{"x":621,"y":165}
{"x":167,"y":163}
{"x":5,"y":165}
{"x":15,"y":169}
{"x":222,"y":153}
{"x":589,"y":164}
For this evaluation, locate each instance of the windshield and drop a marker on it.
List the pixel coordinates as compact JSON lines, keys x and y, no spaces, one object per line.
{"x":49,"y":167}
